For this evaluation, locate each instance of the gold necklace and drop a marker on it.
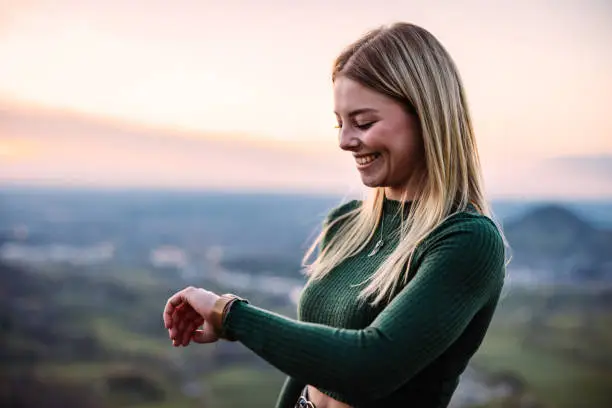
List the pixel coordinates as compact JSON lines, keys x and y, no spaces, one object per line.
{"x":380,"y":242}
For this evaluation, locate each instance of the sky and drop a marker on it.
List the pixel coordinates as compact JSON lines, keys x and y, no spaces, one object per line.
{"x":202,"y":94}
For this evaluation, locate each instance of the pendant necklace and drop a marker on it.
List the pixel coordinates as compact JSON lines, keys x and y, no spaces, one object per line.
{"x":380,"y":242}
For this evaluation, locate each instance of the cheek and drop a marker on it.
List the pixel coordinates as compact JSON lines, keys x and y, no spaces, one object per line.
{"x":400,"y":145}
{"x":405,"y":150}
{"x":381,"y":139}
{"x":374,"y":140}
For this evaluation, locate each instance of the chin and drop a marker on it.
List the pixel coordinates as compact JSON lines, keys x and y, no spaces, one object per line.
{"x":371,"y":183}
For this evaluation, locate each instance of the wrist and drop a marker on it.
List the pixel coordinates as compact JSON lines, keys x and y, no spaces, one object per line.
{"x":213,"y":300}
{"x":220,"y":311}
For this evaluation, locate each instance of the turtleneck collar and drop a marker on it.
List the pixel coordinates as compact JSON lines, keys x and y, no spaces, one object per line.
{"x":392,"y":207}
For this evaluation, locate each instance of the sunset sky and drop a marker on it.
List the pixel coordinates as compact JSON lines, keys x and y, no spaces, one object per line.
{"x":192,"y":93}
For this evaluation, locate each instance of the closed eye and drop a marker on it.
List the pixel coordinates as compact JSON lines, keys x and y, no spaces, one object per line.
{"x":365,"y":126}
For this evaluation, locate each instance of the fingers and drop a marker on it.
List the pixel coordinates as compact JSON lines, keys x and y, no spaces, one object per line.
{"x":173,"y":302}
{"x":183,"y":338}
{"x":187,"y":333}
{"x":181,"y":331}
{"x":183,"y":316}
{"x":177,"y":319}
{"x":191,"y":314}
{"x":177,"y":330}
{"x":182,"y":320}
{"x":205,"y":335}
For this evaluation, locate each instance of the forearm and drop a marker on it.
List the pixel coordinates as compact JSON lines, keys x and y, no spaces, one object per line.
{"x":347,"y":361}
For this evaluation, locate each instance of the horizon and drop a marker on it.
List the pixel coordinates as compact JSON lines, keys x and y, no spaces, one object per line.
{"x":595,"y":212}
{"x":170,"y":192}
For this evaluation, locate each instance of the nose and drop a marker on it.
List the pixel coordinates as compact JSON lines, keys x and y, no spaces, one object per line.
{"x":348,"y":140}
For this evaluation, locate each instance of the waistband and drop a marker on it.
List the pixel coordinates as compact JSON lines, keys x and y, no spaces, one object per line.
{"x":303,"y":401}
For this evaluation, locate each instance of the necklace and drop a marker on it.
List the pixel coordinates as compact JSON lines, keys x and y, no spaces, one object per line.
{"x":380,"y":242}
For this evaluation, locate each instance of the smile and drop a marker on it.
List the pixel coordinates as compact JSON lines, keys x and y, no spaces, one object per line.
{"x":366,"y":160}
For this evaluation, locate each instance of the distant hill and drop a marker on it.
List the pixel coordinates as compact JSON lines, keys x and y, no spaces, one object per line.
{"x":554,"y":238}
{"x":268,"y":234}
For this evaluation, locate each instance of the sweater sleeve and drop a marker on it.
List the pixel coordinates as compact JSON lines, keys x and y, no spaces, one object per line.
{"x":290,"y":393}
{"x":460,"y":271}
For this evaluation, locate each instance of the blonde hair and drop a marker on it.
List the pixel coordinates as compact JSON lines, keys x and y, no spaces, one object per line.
{"x":408,"y":64}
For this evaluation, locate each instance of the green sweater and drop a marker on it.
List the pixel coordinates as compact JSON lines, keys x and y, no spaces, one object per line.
{"x":409,"y":352}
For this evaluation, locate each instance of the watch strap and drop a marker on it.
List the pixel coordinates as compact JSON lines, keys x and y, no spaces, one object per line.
{"x":219,"y":312}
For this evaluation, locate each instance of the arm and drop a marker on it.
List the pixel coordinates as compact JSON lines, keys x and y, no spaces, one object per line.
{"x":460,"y":272}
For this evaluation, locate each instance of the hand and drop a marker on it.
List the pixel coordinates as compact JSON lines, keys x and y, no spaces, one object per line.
{"x":186,"y":322}
{"x":187,"y":310}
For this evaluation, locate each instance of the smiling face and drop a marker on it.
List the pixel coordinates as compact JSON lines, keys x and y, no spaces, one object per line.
{"x":383,"y":136}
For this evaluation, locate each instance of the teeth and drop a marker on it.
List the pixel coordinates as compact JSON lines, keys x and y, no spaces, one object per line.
{"x":366,"y":159}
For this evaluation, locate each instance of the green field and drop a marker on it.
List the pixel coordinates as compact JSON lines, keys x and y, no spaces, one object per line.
{"x":113,"y":351}
{"x":561,"y":349}
{"x":552,"y":360}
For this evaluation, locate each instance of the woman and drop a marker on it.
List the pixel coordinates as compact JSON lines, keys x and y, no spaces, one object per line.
{"x":406,"y":281}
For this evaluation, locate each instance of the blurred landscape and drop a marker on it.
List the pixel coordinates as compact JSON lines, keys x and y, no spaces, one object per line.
{"x":127,"y":120}
{"x":84,"y":275}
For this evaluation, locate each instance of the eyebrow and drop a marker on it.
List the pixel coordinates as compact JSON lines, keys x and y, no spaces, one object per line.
{"x":360,"y":111}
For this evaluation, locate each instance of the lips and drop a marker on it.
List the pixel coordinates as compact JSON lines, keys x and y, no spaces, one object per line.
{"x":365,"y":159}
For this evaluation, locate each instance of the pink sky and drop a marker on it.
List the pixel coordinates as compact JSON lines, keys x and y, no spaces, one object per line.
{"x":74,"y":72}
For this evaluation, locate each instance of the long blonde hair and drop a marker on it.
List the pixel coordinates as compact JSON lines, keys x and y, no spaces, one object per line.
{"x":408,"y":64}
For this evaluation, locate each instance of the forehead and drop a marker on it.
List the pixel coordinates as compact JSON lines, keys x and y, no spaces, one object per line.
{"x":350,"y":95}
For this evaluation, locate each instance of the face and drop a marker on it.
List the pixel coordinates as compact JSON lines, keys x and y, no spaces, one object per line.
{"x":383,"y":137}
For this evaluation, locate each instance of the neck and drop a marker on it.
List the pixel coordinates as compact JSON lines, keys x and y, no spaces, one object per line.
{"x":398,"y":194}
{"x":408,"y":190}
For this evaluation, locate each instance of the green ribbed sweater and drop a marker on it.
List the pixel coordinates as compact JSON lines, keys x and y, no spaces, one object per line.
{"x":408,"y":353}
